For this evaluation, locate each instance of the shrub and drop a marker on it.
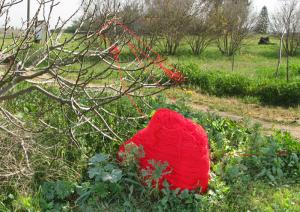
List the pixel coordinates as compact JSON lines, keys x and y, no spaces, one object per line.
{"x":285,"y":94}
{"x":225,"y":84}
{"x":231,"y":85}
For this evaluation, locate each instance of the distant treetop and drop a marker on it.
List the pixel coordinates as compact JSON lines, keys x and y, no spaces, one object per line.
{"x":263,"y":21}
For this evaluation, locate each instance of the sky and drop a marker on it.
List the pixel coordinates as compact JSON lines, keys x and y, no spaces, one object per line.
{"x":272,"y":5}
{"x":64,"y":10}
{"x":67,"y":7}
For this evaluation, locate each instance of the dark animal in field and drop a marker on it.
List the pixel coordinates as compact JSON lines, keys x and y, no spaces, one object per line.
{"x":264,"y":41}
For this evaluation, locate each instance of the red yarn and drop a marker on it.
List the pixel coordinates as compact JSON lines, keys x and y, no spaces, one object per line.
{"x":176,"y":76}
{"x":181,"y":143}
{"x":115,"y":51}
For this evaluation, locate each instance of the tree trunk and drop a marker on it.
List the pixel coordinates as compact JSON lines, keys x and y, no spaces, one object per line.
{"x":287,"y":67}
{"x":232,"y":62}
{"x":279,"y":55}
{"x":287,"y":55}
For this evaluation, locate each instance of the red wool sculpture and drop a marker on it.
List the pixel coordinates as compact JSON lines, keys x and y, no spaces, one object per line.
{"x":181,"y":143}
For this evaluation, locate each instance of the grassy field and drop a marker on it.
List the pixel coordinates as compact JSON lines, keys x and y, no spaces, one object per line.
{"x":252,"y":61}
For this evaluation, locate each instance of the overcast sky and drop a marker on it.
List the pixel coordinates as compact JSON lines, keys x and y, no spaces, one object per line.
{"x":271,"y":4}
{"x":67,"y":7}
{"x":64,"y":10}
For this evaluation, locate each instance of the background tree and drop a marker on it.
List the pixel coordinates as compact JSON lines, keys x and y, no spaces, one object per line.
{"x":232,"y":19}
{"x":127,"y":12}
{"x":172,"y":17}
{"x":201,"y":30}
{"x":263,"y":21}
{"x":133,"y":14}
{"x":286,"y":25}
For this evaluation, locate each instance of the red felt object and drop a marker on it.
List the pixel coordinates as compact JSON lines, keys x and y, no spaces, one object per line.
{"x":172,"y":138}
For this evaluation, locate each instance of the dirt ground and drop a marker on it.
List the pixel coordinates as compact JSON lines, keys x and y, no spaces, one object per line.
{"x":270,"y":118}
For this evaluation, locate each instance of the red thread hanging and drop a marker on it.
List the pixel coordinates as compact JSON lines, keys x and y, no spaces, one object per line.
{"x":115,"y":51}
{"x":172,"y":73}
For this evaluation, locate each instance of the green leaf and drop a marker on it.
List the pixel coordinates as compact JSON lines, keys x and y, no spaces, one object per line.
{"x":93,"y":172}
{"x":112,"y":177}
{"x":271,"y":177}
{"x":164,"y":200}
{"x":63,"y":189}
{"x":98,"y":158}
{"x":262,"y":173}
{"x":48,"y":191}
{"x":198,"y":196}
{"x":279,"y":172}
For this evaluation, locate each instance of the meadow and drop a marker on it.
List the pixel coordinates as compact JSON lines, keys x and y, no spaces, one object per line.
{"x":253,"y":77}
{"x":252,"y":61}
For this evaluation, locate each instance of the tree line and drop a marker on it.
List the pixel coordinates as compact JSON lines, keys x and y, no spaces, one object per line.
{"x":169,"y":23}
{"x":199,"y":22}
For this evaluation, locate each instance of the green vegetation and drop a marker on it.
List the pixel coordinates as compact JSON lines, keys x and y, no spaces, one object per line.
{"x":66,"y":106}
{"x":253,"y":61}
{"x":211,"y":72}
{"x":246,"y":168}
{"x":250,"y":171}
{"x":226,"y":84}
{"x":246,"y":165}
{"x":253,"y":75}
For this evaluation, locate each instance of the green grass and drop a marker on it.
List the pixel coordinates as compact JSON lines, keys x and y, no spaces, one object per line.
{"x":254,"y":64}
{"x":252,"y":61}
{"x":269,"y":198}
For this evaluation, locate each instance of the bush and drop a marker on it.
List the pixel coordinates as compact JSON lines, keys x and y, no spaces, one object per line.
{"x":232,"y":85}
{"x":224,"y":84}
{"x":285,"y":94}
{"x":217,"y":83}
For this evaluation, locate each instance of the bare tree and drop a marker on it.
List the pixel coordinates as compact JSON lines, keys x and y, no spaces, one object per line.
{"x":201,"y":31}
{"x":126,"y":11}
{"x":279,"y":55}
{"x":233,"y":21}
{"x":286,"y":24}
{"x":172,"y":18}
{"x":73,"y":72}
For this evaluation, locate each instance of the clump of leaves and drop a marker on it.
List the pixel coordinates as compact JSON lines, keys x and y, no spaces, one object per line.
{"x":131,"y":189}
{"x":56,"y":196}
{"x":101,"y":171}
{"x":113,"y":185}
